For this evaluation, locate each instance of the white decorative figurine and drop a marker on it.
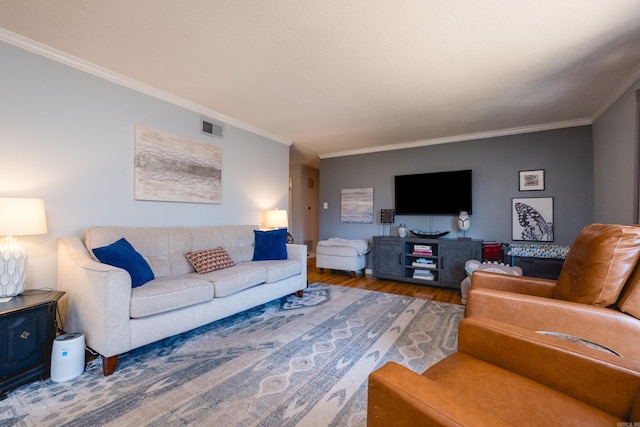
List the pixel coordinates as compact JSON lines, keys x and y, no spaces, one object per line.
{"x":464,"y":223}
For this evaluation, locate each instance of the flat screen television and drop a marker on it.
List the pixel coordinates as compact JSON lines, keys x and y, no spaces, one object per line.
{"x":435,"y":193}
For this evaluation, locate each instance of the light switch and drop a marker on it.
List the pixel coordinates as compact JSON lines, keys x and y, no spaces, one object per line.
{"x":325,"y":205}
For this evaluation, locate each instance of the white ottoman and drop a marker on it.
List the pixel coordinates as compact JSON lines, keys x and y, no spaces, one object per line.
{"x":473,"y":265}
{"x":342,"y":254}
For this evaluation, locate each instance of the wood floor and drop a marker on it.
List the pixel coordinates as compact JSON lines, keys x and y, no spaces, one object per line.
{"x":343,"y":278}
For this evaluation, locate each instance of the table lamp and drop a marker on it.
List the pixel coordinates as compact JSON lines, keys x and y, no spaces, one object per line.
{"x":18,"y":217}
{"x":276,"y":219}
{"x":387,"y":216}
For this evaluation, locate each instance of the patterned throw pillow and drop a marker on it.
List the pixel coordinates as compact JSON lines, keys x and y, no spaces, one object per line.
{"x":208,"y":260}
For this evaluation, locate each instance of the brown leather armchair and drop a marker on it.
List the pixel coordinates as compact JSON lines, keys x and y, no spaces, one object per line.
{"x":598,"y":265}
{"x":600,"y":276}
{"x":534,"y":351}
{"x":506,"y":375}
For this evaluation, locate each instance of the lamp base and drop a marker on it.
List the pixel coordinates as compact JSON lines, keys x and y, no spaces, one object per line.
{"x":13,"y":268}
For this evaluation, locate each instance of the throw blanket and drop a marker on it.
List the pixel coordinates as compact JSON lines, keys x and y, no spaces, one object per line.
{"x":362,"y":246}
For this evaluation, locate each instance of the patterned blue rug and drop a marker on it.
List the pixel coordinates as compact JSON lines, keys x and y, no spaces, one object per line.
{"x":291,"y":362}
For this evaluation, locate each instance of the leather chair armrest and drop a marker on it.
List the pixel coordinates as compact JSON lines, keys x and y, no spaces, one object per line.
{"x":398,"y":396}
{"x":509,"y":283}
{"x":607,"y":327}
{"x":597,"y":378}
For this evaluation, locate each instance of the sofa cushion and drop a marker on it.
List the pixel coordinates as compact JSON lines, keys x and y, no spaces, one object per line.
{"x":122,"y":255}
{"x":345,"y":251}
{"x":150,"y":242}
{"x":208,"y":260}
{"x":270,"y":245}
{"x":278,"y":270}
{"x":359,"y":246}
{"x":233,"y":279}
{"x":169,"y":293}
{"x":598,"y":265}
{"x":237,"y":240}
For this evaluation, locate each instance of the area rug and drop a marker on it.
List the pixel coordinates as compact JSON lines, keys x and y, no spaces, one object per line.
{"x":292,"y":362}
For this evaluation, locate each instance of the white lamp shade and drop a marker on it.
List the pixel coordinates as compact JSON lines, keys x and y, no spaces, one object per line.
{"x":22,"y":217}
{"x":276,"y":219}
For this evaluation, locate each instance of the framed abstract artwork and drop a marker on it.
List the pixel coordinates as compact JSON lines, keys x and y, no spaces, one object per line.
{"x":532,"y":219}
{"x":174,"y":168}
{"x":356,"y":205}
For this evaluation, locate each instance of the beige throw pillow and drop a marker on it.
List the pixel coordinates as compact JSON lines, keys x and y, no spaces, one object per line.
{"x":208,"y":260}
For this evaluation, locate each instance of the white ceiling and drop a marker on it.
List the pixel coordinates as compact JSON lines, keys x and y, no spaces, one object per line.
{"x":338,"y":77}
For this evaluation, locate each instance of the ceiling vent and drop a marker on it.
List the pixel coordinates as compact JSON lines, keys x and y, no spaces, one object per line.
{"x":212,"y":128}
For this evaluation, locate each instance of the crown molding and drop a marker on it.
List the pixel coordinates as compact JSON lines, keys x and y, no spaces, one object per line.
{"x":98,"y":71}
{"x":617,"y":93}
{"x":461,"y":138}
{"x":101,"y":72}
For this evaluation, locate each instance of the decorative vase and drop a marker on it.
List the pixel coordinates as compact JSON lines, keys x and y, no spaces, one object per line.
{"x":402,"y":231}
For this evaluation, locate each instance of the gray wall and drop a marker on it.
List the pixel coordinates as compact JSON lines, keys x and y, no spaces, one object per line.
{"x":615,"y":161}
{"x":67,"y":137}
{"x":565,"y":154}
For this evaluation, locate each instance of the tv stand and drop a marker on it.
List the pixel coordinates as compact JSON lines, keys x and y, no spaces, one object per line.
{"x":433,"y":262}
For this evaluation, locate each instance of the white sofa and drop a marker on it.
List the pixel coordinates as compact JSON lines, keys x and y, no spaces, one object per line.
{"x":115,"y":318}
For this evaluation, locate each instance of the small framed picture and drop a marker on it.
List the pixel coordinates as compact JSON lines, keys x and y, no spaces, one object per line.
{"x":532,"y":180}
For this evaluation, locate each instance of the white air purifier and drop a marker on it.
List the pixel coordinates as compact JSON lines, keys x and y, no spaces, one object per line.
{"x":67,"y":357}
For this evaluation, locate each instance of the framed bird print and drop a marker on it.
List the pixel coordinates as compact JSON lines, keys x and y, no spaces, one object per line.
{"x":532,"y":219}
{"x":531,"y":180}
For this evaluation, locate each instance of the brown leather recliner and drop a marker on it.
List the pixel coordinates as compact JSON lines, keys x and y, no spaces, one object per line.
{"x":600,"y":261}
{"x":505,"y":375}
{"x":532,"y":351}
{"x":600,"y":275}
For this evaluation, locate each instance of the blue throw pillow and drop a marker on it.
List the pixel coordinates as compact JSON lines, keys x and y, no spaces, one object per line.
{"x":270,"y":244}
{"x":121,"y":254}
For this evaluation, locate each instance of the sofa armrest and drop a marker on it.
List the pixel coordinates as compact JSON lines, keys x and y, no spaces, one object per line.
{"x":401,"y":397}
{"x":296,"y":251}
{"x":510,"y":283}
{"x":595,"y":377}
{"x":97,"y":298}
{"x":607,"y":327}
